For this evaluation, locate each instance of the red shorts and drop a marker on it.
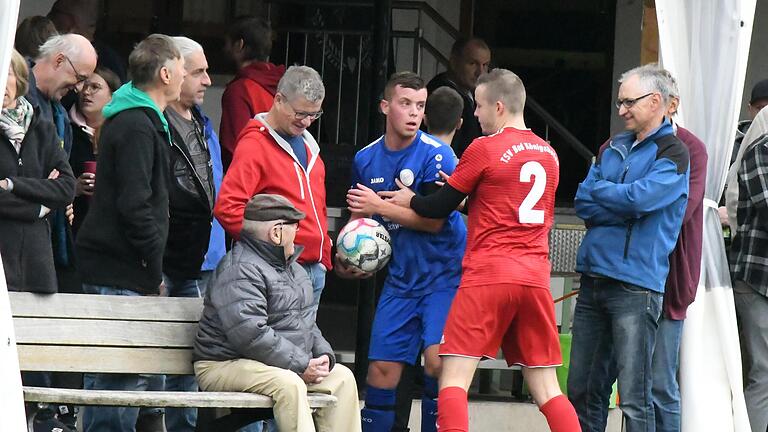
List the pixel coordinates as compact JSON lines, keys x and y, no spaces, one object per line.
{"x":519,"y":319}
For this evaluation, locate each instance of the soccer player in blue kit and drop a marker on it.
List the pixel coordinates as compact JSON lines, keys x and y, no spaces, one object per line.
{"x":425,"y":268}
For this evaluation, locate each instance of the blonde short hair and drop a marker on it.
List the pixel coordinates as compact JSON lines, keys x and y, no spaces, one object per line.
{"x":21,"y":70}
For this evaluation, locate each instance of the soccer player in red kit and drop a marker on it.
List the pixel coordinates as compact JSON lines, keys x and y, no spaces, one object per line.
{"x":504,"y":301}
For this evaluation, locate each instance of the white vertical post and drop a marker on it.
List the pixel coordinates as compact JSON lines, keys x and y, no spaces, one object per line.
{"x":11,"y":397}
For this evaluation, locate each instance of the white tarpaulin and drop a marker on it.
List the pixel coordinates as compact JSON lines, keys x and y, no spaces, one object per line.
{"x":705,"y":44}
{"x":11,"y":397}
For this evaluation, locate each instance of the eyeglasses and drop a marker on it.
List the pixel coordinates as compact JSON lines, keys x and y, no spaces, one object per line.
{"x":301,"y":115}
{"x":80,"y":77}
{"x":629,"y":103}
{"x":92,"y":87}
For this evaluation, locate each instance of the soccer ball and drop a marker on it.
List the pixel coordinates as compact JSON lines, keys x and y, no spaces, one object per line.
{"x":364,"y":244}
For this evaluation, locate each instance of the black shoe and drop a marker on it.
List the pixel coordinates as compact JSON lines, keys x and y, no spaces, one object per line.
{"x":46,"y":421}
{"x":154,"y":422}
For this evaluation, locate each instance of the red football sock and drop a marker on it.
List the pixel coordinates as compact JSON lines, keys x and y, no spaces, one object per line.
{"x":560,"y":415}
{"x":452,"y":410}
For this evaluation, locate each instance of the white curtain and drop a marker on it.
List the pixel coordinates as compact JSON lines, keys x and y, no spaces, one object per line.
{"x":11,"y":398}
{"x":705,"y":44}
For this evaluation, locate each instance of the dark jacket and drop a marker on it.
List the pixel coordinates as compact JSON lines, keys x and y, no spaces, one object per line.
{"x":685,"y":261}
{"x":122,"y":239}
{"x":25,"y":238}
{"x":470,"y":127}
{"x":259,"y":306}
{"x":632,"y":202}
{"x":61,"y":233}
{"x":190,"y":211}
{"x":82,"y":151}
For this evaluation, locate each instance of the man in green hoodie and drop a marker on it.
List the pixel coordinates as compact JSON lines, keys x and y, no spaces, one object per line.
{"x":121,"y":242}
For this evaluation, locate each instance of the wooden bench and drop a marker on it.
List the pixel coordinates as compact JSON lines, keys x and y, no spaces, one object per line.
{"x":120,"y":334}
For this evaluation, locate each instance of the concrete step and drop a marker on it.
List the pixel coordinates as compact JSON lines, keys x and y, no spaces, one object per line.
{"x":487,"y":416}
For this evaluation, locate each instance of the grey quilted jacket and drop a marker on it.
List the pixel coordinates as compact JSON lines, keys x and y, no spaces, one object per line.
{"x":259,"y":306}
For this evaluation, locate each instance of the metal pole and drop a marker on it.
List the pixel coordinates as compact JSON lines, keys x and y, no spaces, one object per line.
{"x":366,"y":299}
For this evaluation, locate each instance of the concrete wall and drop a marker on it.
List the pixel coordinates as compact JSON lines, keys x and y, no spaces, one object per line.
{"x":29,"y":8}
{"x":626,"y":47}
{"x":408,"y":20}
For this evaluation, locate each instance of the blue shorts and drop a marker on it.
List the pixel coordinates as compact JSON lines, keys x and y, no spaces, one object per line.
{"x":403,"y":326}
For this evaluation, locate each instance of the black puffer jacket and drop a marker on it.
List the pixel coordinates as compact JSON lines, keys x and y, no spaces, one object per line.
{"x":259,"y":306}
{"x":25,"y":238}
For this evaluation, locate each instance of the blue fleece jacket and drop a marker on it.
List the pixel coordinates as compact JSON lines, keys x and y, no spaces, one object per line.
{"x":216,"y":244}
{"x":632,"y":202}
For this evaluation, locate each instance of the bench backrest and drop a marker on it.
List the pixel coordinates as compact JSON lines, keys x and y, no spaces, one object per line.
{"x":110,"y":334}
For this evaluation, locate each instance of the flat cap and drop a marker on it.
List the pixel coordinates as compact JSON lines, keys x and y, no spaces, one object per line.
{"x":269,"y":207}
{"x":759,"y":91}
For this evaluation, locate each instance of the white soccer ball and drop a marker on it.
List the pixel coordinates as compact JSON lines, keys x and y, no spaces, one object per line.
{"x":364,"y":244}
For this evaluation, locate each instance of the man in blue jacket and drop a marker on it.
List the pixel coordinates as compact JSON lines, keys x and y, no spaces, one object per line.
{"x":632,"y":202}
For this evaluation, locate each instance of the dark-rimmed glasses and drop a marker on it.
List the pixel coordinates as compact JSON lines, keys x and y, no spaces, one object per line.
{"x":629,"y":103}
{"x":80,"y":77}
{"x":301,"y":115}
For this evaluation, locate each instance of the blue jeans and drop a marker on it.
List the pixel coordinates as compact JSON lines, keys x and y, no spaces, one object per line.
{"x":97,"y":419}
{"x":180,"y":419}
{"x":316,"y":272}
{"x":614,"y":333}
{"x":666,"y":391}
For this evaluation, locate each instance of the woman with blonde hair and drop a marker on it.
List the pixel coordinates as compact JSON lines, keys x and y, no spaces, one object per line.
{"x":35,"y":177}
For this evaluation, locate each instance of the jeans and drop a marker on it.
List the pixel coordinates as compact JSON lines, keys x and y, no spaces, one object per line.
{"x":752,"y":311}
{"x":614,"y":333}
{"x":180,"y":419}
{"x":666,"y":390}
{"x":316,"y":272}
{"x":97,"y":419}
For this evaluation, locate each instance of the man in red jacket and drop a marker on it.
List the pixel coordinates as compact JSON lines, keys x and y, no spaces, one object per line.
{"x":276,"y":155}
{"x":248,"y":42}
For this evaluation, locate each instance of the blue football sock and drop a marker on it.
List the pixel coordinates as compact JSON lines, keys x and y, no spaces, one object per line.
{"x":429,"y":405}
{"x":379,"y":412}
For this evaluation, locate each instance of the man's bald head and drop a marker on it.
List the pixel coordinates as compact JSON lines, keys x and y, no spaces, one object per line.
{"x":64,"y":62}
{"x":469,"y":59}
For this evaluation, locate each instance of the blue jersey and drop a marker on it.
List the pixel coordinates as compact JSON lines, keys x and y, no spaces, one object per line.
{"x":421,"y":262}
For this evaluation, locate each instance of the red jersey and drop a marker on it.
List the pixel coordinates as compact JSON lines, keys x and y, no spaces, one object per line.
{"x":511,"y":178}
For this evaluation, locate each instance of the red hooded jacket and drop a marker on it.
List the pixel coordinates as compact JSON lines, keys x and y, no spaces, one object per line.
{"x":265,"y":163}
{"x":251,"y":92}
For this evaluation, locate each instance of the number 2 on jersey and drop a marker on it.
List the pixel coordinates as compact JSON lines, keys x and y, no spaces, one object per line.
{"x":526,"y":212}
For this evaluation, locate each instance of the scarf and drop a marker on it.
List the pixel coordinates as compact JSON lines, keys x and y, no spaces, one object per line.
{"x":14,"y":122}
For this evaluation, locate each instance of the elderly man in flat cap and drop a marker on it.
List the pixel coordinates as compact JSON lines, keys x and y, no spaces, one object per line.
{"x":258,"y":332}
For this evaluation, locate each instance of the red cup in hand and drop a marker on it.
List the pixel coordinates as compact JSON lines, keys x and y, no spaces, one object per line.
{"x":89,"y":167}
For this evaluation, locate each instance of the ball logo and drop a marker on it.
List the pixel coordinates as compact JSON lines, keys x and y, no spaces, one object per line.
{"x":407,"y":177}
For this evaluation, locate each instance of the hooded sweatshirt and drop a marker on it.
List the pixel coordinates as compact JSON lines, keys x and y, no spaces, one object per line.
{"x":266,"y":163}
{"x":122,"y":239}
{"x":249,"y":93}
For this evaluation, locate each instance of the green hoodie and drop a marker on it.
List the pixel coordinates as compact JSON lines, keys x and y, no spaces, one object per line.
{"x":128,"y":97}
